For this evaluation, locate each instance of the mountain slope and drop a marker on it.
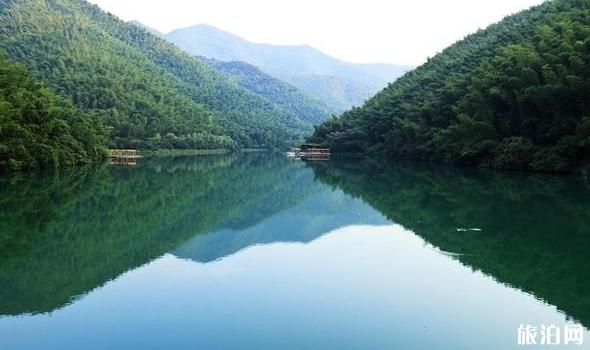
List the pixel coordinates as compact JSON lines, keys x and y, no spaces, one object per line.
{"x":513,"y":96}
{"x":338,"y":93}
{"x":38,"y":128}
{"x":151,"y":93}
{"x":293,"y":64}
{"x":288,"y":97}
{"x":147,"y":28}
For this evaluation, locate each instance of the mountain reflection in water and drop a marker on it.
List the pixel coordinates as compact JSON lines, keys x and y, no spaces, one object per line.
{"x":64,"y":234}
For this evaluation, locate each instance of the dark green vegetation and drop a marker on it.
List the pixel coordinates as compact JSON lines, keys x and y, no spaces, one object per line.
{"x":513,"y":96}
{"x":339,"y":84}
{"x":63,"y":234}
{"x":535,"y":229}
{"x":150,"y":93}
{"x":286,"y":96}
{"x":38,"y":128}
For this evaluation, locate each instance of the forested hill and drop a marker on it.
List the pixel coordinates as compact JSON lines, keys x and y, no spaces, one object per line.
{"x":283,"y":94}
{"x":513,"y":96}
{"x":150,"y":93}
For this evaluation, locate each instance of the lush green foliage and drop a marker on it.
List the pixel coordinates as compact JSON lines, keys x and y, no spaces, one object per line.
{"x":151,"y":93}
{"x":285,"y":95}
{"x":513,"y":96}
{"x":38,"y":128}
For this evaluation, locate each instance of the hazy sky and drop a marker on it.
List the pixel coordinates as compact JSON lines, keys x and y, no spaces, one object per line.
{"x":404,"y":32}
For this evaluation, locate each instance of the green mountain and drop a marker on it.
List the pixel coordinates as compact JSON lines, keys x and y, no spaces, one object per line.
{"x":340,"y":84}
{"x":39,"y":128}
{"x":288,"y":97}
{"x":513,"y":96}
{"x":150,"y":93}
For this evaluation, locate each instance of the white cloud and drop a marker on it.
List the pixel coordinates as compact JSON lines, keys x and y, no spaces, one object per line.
{"x":405,"y":32}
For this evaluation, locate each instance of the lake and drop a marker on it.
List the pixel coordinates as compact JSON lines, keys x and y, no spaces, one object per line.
{"x":257,"y":251}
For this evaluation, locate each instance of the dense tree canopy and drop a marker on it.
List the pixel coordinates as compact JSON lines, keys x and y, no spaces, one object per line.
{"x":38,"y":128}
{"x":148,"y":91}
{"x":513,"y":96}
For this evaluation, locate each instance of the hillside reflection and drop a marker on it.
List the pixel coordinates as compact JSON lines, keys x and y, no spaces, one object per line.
{"x":64,"y":234}
{"x":529,"y":231}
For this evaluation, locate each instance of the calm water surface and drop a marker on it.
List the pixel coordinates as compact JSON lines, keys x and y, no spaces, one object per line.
{"x":256,"y":251}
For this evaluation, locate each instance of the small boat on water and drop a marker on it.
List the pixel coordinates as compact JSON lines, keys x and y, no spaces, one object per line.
{"x":309,"y":152}
{"x":123,"y":156}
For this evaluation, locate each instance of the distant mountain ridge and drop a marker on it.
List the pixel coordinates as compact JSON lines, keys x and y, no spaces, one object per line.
{"x":340,"y":84}
{"x":296,"y":102}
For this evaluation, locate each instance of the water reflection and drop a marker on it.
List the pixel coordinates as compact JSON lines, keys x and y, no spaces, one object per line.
{"x":62,"y":235}
{"x":320,"y":212}
{"x":529,"y":231}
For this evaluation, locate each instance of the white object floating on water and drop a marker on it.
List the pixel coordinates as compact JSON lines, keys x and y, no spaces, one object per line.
{"x":468,"y":229}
